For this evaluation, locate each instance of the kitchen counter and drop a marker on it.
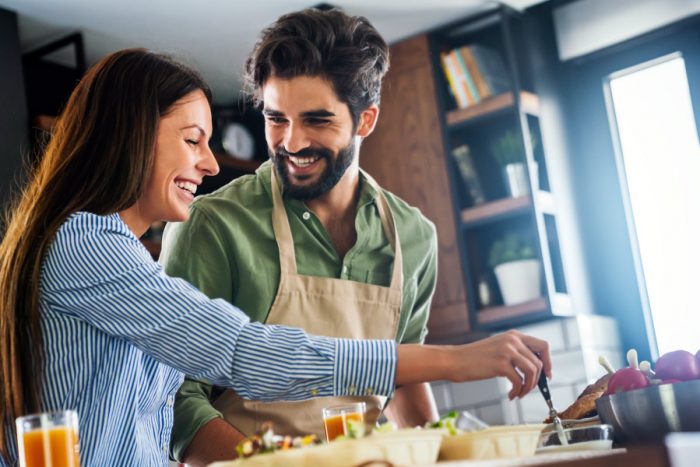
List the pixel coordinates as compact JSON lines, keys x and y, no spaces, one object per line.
{"x":636,"y":456}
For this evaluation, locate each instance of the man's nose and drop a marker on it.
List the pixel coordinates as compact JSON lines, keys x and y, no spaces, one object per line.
{"x":295,"y":139}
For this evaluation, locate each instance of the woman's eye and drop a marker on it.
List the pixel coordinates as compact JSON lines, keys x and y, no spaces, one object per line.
{"x":192,"y":142}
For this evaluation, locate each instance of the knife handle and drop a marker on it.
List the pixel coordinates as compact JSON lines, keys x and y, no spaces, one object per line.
{"x":542,"y":383}
{"x":544,"y":387}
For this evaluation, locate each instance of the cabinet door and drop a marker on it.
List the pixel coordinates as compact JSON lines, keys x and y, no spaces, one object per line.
{"x":405,"y":154}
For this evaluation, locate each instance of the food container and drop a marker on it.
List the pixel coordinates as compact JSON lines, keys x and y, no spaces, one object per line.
{"x":595,"y":437}
{"x":402,"y":447}
{"x":650,"y":413}
{"x":492,"y":443}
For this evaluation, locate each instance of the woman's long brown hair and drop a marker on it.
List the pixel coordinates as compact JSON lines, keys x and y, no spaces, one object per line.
{"x":98,"y":160}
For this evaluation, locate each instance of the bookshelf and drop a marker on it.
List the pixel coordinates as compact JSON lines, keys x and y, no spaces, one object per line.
{"x":529,"y":103}
{"x":487,"y":139}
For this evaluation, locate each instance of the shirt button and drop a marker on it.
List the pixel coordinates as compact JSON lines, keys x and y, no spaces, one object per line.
{"x":170,"y":401}
{"x":369,"y":391}
{"x":314,"y":392}
{"x":351,"y":390}
{"x":306,"y":216}
{"x":345,"y":269}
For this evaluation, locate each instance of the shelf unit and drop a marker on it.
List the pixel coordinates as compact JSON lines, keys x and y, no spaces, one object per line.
{"x":482,"y":220}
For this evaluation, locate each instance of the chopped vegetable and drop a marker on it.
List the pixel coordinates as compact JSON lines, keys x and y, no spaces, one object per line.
{"x":265,"y":441}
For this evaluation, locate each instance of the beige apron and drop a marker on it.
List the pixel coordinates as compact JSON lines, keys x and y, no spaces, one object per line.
{"x":322,"y":306}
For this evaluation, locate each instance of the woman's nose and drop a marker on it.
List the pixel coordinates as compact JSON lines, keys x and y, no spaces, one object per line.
{"x":208,"y":164}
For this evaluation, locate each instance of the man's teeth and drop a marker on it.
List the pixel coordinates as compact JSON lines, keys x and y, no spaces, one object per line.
{"x":303,"y":161}
{"x":189,"y":186}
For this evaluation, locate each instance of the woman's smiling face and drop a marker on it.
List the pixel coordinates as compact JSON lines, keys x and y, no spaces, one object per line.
{"x":182,"y":159}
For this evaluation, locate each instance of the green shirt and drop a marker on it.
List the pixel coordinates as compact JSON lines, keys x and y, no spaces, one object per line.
{"x":228,"y":250}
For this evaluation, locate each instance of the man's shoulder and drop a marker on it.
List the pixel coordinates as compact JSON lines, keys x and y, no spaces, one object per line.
{"x":246,"y":192}
{"x":407,"y":217}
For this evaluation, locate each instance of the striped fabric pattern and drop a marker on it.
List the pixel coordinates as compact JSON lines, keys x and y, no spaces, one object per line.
{"x":119,"y":335}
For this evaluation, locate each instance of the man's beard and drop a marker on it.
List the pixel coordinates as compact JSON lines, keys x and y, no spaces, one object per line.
{"x":334,"y":171}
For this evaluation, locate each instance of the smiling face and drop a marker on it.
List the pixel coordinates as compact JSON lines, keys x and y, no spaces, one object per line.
{"x":182,"y":159}
{"x":310,"y":134}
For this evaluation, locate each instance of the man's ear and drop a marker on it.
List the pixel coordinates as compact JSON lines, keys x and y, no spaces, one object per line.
{"x":368,"y":120}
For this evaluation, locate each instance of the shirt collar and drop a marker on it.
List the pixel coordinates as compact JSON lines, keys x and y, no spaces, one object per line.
{"x":368,"y":194}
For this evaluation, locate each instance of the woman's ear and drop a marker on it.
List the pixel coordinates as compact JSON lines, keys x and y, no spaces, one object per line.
{"x":368,"y":120}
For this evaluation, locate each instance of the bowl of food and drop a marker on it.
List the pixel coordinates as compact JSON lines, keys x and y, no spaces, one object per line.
{"x":648,"y":414}
{"x":495,"y":442}
{"x":577,"y":438}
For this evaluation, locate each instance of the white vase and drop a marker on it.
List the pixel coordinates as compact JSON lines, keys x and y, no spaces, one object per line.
{"x":519,"y":281}
{"x":516,"y":179}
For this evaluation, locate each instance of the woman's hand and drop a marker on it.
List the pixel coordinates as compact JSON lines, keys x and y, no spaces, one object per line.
{"x":513,"y":355}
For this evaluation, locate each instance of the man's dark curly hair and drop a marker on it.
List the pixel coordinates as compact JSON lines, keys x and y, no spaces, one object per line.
{"x":346,"y":50}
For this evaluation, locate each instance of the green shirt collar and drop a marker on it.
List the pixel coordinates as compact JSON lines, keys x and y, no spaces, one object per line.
{"x":368,"y":194}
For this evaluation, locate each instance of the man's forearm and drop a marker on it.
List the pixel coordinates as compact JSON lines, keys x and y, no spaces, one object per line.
{"x":215,"y":441}
{"x":412,"y":405}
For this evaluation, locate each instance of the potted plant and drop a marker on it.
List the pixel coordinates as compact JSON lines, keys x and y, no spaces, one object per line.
{"x":508,"y":152}
{"x":516,"y":268}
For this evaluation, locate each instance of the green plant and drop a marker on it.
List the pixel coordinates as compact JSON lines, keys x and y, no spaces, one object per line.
{"x":507,"y":148}
{"x":512,"y":247}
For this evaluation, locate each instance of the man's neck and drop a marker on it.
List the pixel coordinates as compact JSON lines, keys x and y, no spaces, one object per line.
{"x":336,"y":210}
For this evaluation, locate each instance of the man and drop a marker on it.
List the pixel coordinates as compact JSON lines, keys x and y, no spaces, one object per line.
{"x":309,"y":240}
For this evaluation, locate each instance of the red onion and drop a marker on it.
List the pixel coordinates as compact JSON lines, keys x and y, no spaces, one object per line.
{"x":678,"y":364}
{"x":626,"y":379}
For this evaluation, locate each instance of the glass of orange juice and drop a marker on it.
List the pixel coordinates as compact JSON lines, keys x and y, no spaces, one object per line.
{"x":48,"y":439}
{"x":335,"y":419}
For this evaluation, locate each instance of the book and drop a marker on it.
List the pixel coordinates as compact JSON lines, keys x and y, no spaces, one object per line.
{"x":458,"y":76}
{"x":479,"y":81}
{"x":465,"y":163}
{"x":492,"y":67}
{"x":450,"y":73}
{"x":466,"y":75}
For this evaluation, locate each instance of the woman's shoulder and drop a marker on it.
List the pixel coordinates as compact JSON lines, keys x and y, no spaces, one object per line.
{"x":85,"y":223}
{"x":88,"y":246}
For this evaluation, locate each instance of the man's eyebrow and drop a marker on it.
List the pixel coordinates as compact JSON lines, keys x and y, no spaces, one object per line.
{"x":316,"y":113}
{"x":319,"y":113}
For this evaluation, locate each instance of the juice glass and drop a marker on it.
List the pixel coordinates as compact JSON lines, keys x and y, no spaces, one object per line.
{"x":48,"y":439}
{"x":335,"y":419}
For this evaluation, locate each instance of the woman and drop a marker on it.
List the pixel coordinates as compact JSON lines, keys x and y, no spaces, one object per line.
{"x":89,"y":322}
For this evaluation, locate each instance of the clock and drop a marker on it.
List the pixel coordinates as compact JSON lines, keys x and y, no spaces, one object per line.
{"x":237,"y":141}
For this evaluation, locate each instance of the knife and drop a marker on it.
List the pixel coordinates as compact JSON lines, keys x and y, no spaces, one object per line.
{"x":544,"y":389}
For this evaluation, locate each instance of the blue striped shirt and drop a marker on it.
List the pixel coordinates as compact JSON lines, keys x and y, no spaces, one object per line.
{"x":119,"y":334}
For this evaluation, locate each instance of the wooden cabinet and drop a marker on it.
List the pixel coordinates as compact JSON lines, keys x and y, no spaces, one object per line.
{"x":406,"y":156}
{"x":414,"y":153}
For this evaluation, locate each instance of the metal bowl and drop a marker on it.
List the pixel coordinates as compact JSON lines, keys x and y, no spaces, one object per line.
{"x":649,"y":414}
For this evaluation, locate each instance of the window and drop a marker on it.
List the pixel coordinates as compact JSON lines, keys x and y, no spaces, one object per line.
{"x":658,"y":157}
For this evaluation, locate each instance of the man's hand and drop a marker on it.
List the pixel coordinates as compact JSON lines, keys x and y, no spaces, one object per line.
{"x":512,"y":354}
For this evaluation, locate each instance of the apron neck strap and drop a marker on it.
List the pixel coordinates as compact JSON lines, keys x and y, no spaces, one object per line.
{"x":285,"y":240}
{"x":390,"y":231}
{"x":283,"y":233}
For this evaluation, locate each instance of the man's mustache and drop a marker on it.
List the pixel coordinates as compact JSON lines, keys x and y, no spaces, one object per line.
{"x":306,"y":152}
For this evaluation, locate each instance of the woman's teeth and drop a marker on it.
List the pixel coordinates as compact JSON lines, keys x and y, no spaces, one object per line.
{"x":188,"y":186}
{"x":303,"y":161}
